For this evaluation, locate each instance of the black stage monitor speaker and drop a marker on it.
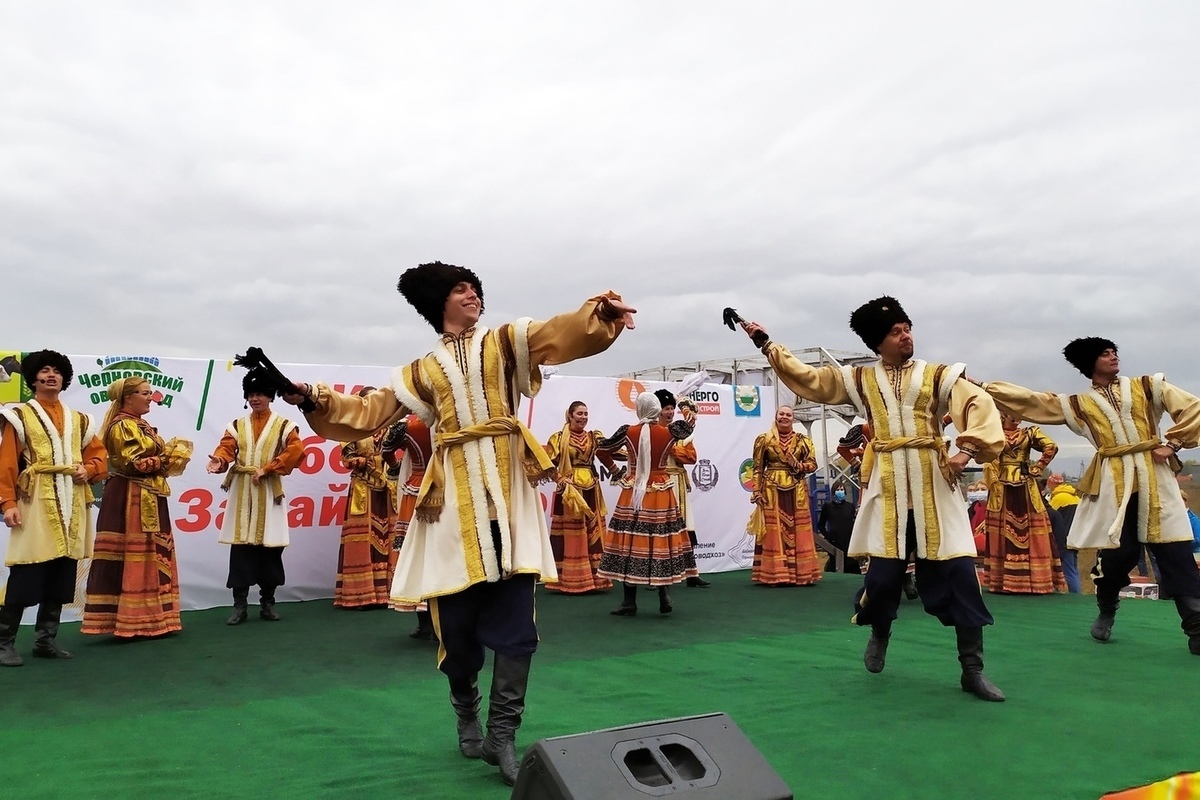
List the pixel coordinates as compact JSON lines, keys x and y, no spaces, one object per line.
{"x":701,"y":758}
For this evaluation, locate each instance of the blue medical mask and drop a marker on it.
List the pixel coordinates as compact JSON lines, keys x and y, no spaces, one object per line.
{"x":976,"y":496}
{"x":839,"y":495}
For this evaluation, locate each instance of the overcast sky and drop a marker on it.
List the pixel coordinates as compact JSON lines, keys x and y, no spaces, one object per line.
{"x":187,"y":179}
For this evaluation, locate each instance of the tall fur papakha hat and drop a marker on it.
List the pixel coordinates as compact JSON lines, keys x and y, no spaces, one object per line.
{"x":257,"y":381}
{"x":665,"y":398}
{"x":872,"y":321}
{"x":34,"y":363}
{"x":1082,"y":353}
{"x":427,"y":286}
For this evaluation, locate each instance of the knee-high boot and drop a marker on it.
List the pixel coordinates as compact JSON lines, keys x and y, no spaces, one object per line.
{"x":1189,"y":620}
{"x":875,"y":656}
{"x":464,"y":696}
{"x":10,"y":623}
{"x":510,"y":677}
{"x":1108,"y":601}
{"x":970,"y":655}
{"x":46,"y":632}
{"x":664,"y":600}
{"x":628,"y":607}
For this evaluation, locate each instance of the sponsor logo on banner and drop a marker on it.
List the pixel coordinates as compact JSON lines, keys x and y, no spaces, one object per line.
{"x":746,"y":475}
{"x":111,"y":368}
{"x":708,"y":402}
{"x":704,"y":475}
{"x":746,"y":401}
{"x":12,"y":387}
{"x":628,"y":391}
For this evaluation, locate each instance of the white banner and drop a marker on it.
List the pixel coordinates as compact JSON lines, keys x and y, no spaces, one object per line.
{"x":199,"y":398}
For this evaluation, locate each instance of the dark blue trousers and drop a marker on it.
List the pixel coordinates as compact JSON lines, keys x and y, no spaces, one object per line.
{"x":1176,"y":566}
{"x":949,"y":590}
{"x":497,"y":616}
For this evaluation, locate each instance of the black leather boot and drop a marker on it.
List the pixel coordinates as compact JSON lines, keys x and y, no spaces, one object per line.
{"x":664,"y":601}
{"x":628,"y":607}
{"x":875,"y":656}
{"x":1189,"y":620}
{"x":424,"y":631}
{"x":464,"y":696}
{"x":510,"y":677}
{"x":239,"y":606}
{"x":266,"y":604}
{"x":46,"y":632}
{"x":1108,"y":601}
{"x":10,"y":623}
{"x":970,"y":655}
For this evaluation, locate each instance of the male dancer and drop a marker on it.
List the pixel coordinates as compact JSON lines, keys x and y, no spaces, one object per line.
{"x":912,"y":501}
{"x":679,"y":454}
{"x":48,"y":456}
{"x":479,"y":541}
{"x":1129,"y":493}
{"x":256,"y":451}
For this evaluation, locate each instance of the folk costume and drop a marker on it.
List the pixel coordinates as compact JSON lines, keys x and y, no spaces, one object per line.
{"x":1021,"y":555}
{"x":133,"y":583}
{"x":678,"y":456}
{"x":578,"y":512}
{"x":479,"y":541}
{"x":912,"y":503}
{"x":1127,"y":498}
{"x":407,"y":448}
{"x":364,"y":556}
{"x":647,"y":543}
{"x":41,"y":446}
{"x":256,"y":521}
{"x":785,"y":552}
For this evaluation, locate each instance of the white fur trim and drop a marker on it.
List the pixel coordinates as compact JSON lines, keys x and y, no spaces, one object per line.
{"x":521,"y":348}
{"x":1073,"y":422}
{"x":18,"y":424}
{"x":59,"y":446}
{"x":949,"y":378}
{"x":852,"y":391}
{"x":416,"y":405}
{"x":1156,"y":394}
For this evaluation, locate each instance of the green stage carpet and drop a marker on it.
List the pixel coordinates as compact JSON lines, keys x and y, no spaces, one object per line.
{"x":331,"y":703}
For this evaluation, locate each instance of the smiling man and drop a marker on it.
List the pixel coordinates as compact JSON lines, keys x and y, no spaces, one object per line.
{"x":912,"y":502}
{"x":48,"y":456}
{"x":1129,"y":493}
{"x":478,"y":541}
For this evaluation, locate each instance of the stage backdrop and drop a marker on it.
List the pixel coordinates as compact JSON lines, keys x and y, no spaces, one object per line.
{"x":199,"y":398}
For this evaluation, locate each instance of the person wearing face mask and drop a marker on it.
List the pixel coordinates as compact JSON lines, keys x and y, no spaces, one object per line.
{"x":1021,"y":555}
{"x":836,"y":523}
{"x":577,"y":513}
{"x":785,"y":553}
{"x":912,"y":502}
{"x":256,"y":451}
{"x":49,"y":455}
{"x":977,"y":496}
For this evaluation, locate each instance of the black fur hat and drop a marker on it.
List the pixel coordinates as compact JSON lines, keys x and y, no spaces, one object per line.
{"x":33,"y":363}
{"x":873,"y":321}
{"x":1082,"y":353}
{"x":665,"y":398}
{"x":257,"y":381}
{"x":427,"y":286}
{"x":854,"y":437}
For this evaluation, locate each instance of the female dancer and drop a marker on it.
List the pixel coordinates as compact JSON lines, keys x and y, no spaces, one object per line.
{"x":785,"y":553}
{"x":133,"y":584}
{"x":407,"y":448}
{"x":647,"y":543}
{"x":577,"y":514}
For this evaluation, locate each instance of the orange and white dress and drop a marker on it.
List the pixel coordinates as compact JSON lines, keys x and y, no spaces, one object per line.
{"x":785,"y":552}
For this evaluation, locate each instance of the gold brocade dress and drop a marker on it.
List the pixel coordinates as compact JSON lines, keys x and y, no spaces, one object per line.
{"x":1021,"y":556}
{"x":133,"y":584}
{"x":577,"y":533}
{"x":364,"y":558}
{"x":785,"y":552}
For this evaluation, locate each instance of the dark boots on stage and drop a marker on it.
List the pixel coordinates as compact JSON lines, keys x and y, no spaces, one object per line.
{"x":424,"y":631}
{"x":10,"y":623}
{"x":239,"y":607}
{"x":970,"y":655}
{"x":875,"y":655}
{"x":464,"y":696}
{"x":1189,"y":620}
{"x":696,"y":582}
{"x":628,"y":607}
{"x":664,"y":601}
{"x":510,"y":677}
{"x":266,"y":604}
{"x":45,"y":644}
{"x":1108,"y":602}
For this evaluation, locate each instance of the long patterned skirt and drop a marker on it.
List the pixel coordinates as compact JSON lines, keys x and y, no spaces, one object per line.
{"x":578,"y":546}
{"x":133,"y":584}
{"x":787,"y":554}
{"x":1022,"y":556}
{"x":364,"y":574}
{"x":648,"y":546}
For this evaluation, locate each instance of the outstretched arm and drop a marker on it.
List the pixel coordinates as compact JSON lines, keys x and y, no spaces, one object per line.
{"x":579,"y":334}
{"x":1044,"y":408}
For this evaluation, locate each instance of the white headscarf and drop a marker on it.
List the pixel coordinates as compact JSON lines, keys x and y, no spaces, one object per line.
{"x":648,"y":409}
